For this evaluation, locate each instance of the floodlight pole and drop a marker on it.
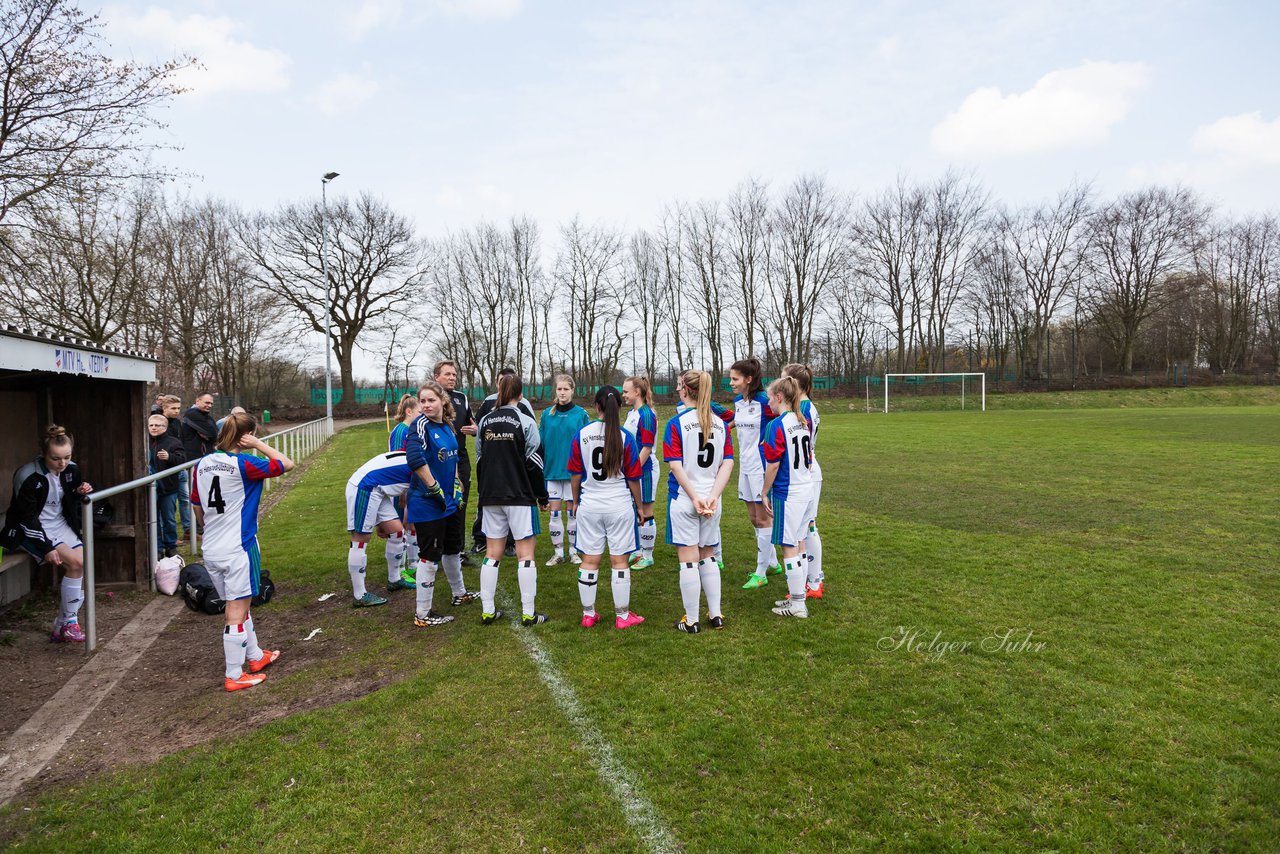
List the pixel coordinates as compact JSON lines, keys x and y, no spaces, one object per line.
{"x":328,"y":302}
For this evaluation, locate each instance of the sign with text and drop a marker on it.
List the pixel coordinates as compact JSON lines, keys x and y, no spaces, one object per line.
{"x":25,"y":354}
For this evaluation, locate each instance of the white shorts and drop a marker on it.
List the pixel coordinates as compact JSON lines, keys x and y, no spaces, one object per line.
{"x":60,"y":534}
{"x":811,"y":511}
{"x":559,"y":490}
{"x":367,"y":508}
{"x":790,"y":524}
{"x":235,"y":576}
{"x":686,"y":528}
{"x":521,"y":521}
{"x":615,"y":529}
{"x":750,"y":486}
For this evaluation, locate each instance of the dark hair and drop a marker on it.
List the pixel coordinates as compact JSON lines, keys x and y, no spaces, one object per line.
{"x":750,"y":367}
{"x":55,"y":435}
{"x":609,"y":401}
{"x":801,"y":374}
{"x":509,"y":387}
{"x":506,"y":372}
{"x":236,"y":425}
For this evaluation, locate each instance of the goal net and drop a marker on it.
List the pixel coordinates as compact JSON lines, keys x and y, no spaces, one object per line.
{"x":933,"y":392}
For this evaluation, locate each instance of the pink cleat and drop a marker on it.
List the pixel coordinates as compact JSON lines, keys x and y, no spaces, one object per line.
{"x":589,"y":620}
{"x":69,"y":633}
{"x":632,"y":619}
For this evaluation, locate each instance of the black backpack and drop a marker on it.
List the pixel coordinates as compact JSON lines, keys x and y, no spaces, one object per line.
{"x":266,"y":589}
{"x":198,"y":591}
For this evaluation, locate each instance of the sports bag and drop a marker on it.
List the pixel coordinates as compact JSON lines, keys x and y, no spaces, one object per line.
{"x":198,"y":590}
{"x":167,"y":571}
{"x":266,"y":589}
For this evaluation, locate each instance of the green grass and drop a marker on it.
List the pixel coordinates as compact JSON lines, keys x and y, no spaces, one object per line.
{"x":1139,"y":546}
{"x":905,"y":398}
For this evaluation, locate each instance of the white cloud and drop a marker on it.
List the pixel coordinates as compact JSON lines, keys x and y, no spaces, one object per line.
{"x":1067,"y":108}
{"x":1246,"y":137}
{"x":888,"y":47}
{"x":227,"y":63}
{"x":373,"y":14}
{"x":343,"y":93}
{"x":482,"y":9}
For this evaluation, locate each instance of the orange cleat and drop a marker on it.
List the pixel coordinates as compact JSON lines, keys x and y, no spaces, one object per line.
{"x":244,"y":680}
{"x":269,"y":657}
{"x":813,"y":592}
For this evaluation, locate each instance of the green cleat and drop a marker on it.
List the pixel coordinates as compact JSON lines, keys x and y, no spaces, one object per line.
{"x":368,"y":600}
{"x":643,"y":563}
{"x":776,"y":569}
{"x":754,"y":581}
{"x":400,"y":584}
{"x":490,"y":619}
{"x":720,"y":564}
{"x":409,"y":575}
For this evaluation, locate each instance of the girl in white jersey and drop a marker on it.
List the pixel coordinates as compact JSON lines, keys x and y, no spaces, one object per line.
{"x":751,"y":412}
{"x":697,"y":447}
{"x":642,"y":424}
{"x":604,"y":465}
{"x":787,"y":449}
{"x":225,"y":491}
{"x":812,"y":541}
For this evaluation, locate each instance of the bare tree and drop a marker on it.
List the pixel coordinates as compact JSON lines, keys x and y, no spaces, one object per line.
{"x":376,"y":264}
{"x":588,"y":271}
{"x":887,"y":253}
{"x":706,"y":256}
{"x":746,"y":239}
{"x":651,"y":297}
{"x":1234,"y":265}
{"x":953,"y":220}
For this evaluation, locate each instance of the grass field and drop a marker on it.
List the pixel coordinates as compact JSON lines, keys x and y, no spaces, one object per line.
{"x":1043,"y":630}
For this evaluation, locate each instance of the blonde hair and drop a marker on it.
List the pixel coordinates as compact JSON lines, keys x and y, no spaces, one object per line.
{"x":802,"y":374}
{"x":407,"y":402}
{"x":236,"y":425}
{"x":641,"y":385}
{"x":435,"y":388}
{"x":788,"y":388}
{"x":698,"y":384}
{"x":54,"y":435}
{"x":156,"y":415}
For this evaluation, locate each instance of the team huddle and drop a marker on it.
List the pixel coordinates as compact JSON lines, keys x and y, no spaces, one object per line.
{"x":597,"y":478}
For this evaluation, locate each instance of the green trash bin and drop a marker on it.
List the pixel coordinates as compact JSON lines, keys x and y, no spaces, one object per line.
{"x":266,"y":416}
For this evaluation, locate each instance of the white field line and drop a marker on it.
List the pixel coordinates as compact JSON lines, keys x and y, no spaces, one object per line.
{"x":640,"y":812}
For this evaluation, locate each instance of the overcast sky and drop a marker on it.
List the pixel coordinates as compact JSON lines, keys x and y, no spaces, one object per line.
{"x":461,"y":110}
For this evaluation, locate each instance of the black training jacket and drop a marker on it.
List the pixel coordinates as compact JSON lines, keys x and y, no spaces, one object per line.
{"x":508,"y":462}
{"x":30,"y":491}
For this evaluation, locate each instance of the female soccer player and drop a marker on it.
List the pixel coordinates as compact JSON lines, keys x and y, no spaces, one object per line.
{"x":642,"y":424}
{"x":510,"y":480}
{"x":373,"y":496}
{"x":725,"y":415}
{"x":560,"y":423}
{"x":434,"y":502}
{"x":406,"y":411}
{"x":699,"y":452}
{"x":46,"y":508}
{"x":751,"y":412}
{"x":225,"y":491}
{"x":812,"y":541}
{"x":605,"y":465}
{"x":787,"y":449}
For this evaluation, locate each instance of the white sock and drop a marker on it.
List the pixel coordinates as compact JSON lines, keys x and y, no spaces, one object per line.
{"x":620,"y":580}
{"x":233,"y":649}
{"x":411,"y":548}
{"x":357,"y":561}
{"x":766,"y":556}
{"x":690,"y":589}
{"x":572,"y":529}
{"x":488,"y":585}
{"x":72,"y":597}
{"x":648,"y":536}
{"x":252,"y":651}
{"x":395,"y":557}
{"x":587,"y":587}
{"x":453,"y":571}
{"x":426,"y":585}
{"x":709,"y":574}
{"x":813,"y":545}
{"x":556,"y":527}
{"x":719,"y":553}
{"x":528,"y":575}
{"x":795,"y":581}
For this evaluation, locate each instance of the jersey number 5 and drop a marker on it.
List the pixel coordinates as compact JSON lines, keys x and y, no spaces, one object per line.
{"x":216,"y":501}
{"x":706,"y":453}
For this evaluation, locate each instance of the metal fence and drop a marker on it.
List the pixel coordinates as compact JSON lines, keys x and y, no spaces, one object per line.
{"x":297,"y":443}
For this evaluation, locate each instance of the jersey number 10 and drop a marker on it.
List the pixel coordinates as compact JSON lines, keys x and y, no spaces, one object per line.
{"x":802,"y":450}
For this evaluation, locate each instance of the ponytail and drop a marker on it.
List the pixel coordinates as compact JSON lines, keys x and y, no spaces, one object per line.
{"x":788,"y":388}
{"x":609,"y":401}
{"x":751,"y":369}
{"x":236,"y":425}
{"x":698,"y":384}
{"x":802,"y":374}
{"x":407,"y":402}
{"x":510,"y":388}
{"x":641,"y":385}
{"x":446,"y":405}
{"x":54,"y":435}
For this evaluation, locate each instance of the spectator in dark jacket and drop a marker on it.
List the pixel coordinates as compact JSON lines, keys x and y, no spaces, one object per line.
{"x":165,"y":452}
{"x":199,"y":430}
{"x":173,"y":412}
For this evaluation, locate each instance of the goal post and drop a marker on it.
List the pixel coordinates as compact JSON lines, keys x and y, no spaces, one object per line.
{"x":966,"y":377}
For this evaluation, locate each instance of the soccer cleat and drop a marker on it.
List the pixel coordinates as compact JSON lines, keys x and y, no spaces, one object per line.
{"x":635,"y":558}
{"x":687,"y":627}
{"x":554,"y":560}
{"x":433,"y":618}
{"x":410,"y":576}
{"x":478,"y":548}
{"x":720,"y":564}
{"x":574,"y":557}
{"x":776,"y":569}
{"x":589,"y":620}
{"x":467,"y":562}
{"x":813,"y":592}
{"x":368,"y":600}
{"x":490,"y":619}
{"x":716,"y":622}
{"x":509,"y":551}
{"x":631,"y":619}
{"x":754,"y":581}
{"x":69,"y":633}
{"x":401,"y":584}
{"x":792,"y":609}
{"x":244,"y":680}
{"x":533,"y":619}
{"x":268,"y":658}
{"x":643,"y":563}
{"x":464,"y":598}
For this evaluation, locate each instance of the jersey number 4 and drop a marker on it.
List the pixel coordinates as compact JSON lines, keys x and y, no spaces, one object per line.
{"x":215,"y":500}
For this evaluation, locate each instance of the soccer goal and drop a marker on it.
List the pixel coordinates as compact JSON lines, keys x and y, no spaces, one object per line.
{"x":934,"y":387}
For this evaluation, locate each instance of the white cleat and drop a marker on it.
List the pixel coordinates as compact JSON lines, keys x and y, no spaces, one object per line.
{"x":554,"y":560}
{"x":792,"y":609}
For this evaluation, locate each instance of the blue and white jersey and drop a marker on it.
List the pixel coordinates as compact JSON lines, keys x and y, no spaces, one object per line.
{"x":642,"y":424}
{"x":750,"y":415}
{"x":229,"y":487}
{"x":389,"y":472}
{"x":812,"y":418}
{"x":432,"y":444}
{"x":399,"y":434}
{"x":699,"y":454}
{"x":786,"y":441}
